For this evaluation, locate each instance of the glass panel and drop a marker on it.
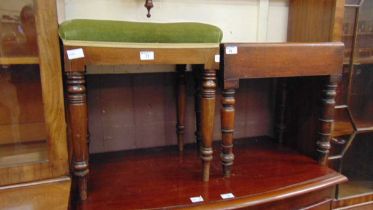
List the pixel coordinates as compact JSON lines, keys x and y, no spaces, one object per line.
{"x":358,"y":167}
{"x":365,"y":34}
{"x":348,"y":31}
{"x":356,"y":162}
{"x":23,"y":135}
{"x":17,"y":29}
{"x":342,"y":89}
{"x":361,"y":101}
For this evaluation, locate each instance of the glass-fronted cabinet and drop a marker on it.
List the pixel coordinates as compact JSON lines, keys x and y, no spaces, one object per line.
{"x":32,"y":124}
{"x":352,"y":145}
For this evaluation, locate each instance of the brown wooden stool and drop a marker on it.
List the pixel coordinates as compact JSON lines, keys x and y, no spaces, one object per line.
{"x":250,"y":61}
{"x":101,"y":42}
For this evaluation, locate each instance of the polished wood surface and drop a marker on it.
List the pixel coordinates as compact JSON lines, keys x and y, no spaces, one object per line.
{"x":77,"y":109}
{"x":42,"y":195}
{"x":51,"y":80}
{"x":357,"y":200}
{"x":19,"y":60}
{"x":265,"y":173}
{"x":282,"y":60}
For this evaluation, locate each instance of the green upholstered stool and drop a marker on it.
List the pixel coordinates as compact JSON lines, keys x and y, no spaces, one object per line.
{"x":106,"y":42}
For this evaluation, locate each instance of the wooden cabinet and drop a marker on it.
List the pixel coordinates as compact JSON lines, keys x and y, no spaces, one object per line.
{"x":33,"y":146}
{"x":353,"y":131}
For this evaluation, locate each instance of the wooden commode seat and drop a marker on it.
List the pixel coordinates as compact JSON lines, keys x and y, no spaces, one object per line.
{"x":279,"y":60}
{"x":106,"y":42}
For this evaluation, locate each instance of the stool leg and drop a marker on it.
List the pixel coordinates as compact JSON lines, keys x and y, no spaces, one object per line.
{"x":281,"y":98}
{"x":326,"y":118}
{"x":207,"y":105}
{"x":77,"y":107}
{"x":227,"y":129}
{"x":197,"y":108}
{"x":181,"y":100}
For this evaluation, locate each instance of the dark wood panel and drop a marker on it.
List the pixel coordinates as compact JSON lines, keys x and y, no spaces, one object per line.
{"x":263,"y":173}
{"x":139,"y":110}
{"x":283,"y":60}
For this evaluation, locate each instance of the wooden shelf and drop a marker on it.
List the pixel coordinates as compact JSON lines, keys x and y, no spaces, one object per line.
{"x":355,"y":187}
{"x":365,"y":60}
{"x":17,"y":154}
{"x":162,"y":177}
{"x":342,"y":128}
{"x":19,"y":60}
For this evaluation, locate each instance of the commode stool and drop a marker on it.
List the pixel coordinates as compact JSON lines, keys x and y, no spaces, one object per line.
{"x":106,"y":42}
{"x":279,"y":60}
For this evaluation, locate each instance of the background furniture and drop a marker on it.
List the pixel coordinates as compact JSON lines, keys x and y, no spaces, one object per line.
{"x":352,"y":135}
{"x":33,"y":144}
{"x":118,"y":43}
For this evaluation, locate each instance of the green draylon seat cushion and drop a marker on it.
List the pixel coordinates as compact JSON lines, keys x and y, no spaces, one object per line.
{"x":138,"y":32}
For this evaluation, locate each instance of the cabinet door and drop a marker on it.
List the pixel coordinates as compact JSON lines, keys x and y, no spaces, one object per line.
{"x":355,"y":126}
{"x":32,"y":125}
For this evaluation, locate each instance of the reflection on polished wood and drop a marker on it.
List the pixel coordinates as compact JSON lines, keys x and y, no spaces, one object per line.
{"x":265,"y":172}
{"x":46,"y":194}
{"x":15,"y":154}
{"x":19,"y":60}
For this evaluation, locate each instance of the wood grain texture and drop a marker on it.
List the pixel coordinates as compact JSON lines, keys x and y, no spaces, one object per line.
{"x":51,"y":80}
{"x":285,"y":178}
{"x":315,"y":20}
{"x":43,"y":195}
{"x":282,"y":60}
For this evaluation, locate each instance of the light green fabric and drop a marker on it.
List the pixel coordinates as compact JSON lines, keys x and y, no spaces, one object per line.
{"x":139,"y":32}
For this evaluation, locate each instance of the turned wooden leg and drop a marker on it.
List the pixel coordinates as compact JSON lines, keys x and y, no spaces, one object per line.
{"x":326,"y":119}
{"x":207,"y":105}
{"x":197,"y":108}
{"x":181,"y":100}
{"x":281,"y":101}
{"x":77,"y":105}
{"x":227,"y":128}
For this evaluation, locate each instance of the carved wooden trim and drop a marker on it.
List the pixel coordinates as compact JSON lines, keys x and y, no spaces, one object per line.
{"x":77,"y":104}
{"x":148,"y":5}
{"x":227,"y":128}
{"x":326,"y":119}
{"x":207,"y":105}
